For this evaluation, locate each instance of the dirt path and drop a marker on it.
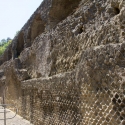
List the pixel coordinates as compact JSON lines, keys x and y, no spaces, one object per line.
{"x":15,"y":121}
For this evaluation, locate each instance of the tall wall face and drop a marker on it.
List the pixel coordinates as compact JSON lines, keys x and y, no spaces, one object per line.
{"x":91,"y":94}
{"x":68,"y":64}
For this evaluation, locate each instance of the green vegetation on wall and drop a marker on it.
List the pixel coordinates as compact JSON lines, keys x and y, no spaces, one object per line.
{"x":4,"y":44}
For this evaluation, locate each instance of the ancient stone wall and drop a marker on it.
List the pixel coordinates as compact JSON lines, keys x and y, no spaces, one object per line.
{"x":67,"y":67}
{"x":92,"y":94}
{"x":52,"y":106}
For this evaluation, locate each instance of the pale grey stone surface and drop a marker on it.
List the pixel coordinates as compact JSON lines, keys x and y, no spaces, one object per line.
{"x":18,"y":120}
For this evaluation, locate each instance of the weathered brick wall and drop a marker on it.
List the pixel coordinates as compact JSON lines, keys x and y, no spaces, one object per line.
{"x":91,"y":94}
{"x":73,"y":73}
{"x":54,"y":101}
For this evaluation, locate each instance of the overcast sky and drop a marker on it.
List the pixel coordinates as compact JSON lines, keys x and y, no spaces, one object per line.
{"x":14,"y":14}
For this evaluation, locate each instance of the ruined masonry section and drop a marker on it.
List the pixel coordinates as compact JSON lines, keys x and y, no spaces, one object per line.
{"x":67,"y":64}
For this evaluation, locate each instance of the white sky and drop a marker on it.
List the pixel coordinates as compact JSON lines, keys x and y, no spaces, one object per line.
{"x":14,"y":14}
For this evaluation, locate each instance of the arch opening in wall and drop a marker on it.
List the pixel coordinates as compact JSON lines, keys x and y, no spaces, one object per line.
{"x":20,"y":44}
{"x":37,"y":27}
{"x":61,"y":10}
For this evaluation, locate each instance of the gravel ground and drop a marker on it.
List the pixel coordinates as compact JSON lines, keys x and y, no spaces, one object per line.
{"x":18,"y":120}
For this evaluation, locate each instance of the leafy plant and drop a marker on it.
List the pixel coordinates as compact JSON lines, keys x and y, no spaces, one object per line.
{"x":4,"y":45}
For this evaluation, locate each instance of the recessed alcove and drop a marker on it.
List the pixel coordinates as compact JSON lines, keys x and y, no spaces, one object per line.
{"x":61,"y":10}
{"x":80,"y":30}
{"x":37,"y":27}
{"x":117,"y":10}
{"x":20,"y":44}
